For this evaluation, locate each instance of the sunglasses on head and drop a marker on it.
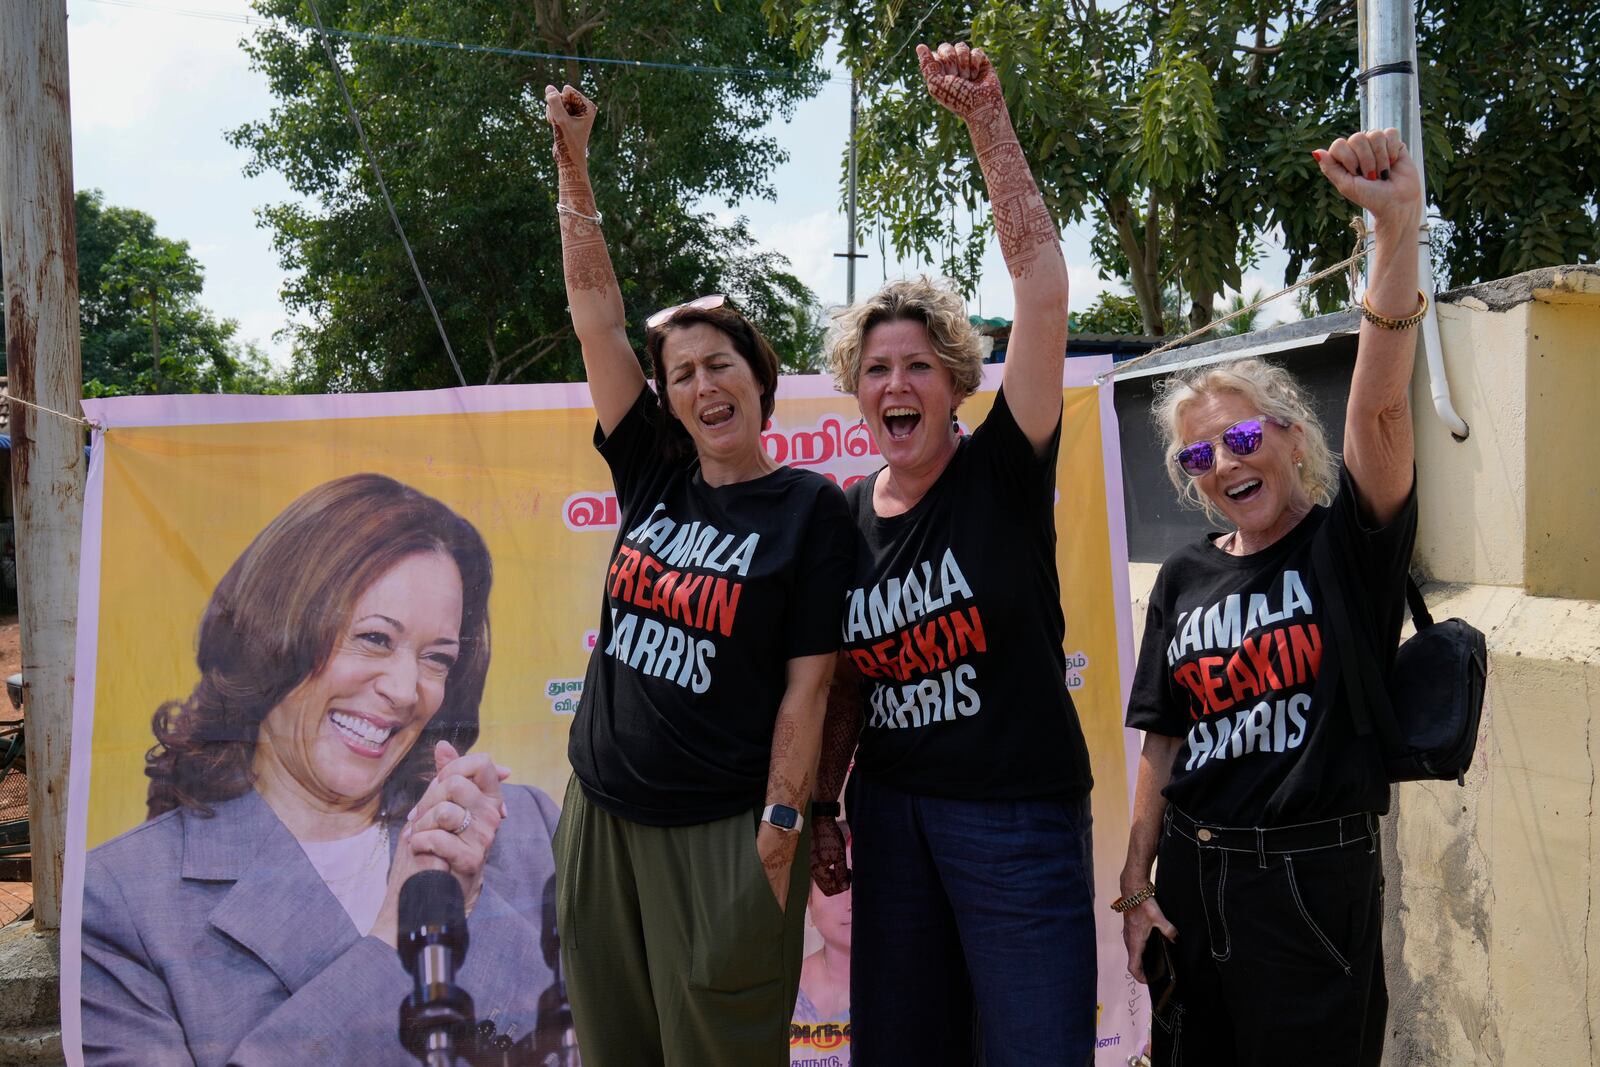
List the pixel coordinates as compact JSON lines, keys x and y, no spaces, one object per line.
{"x":1240,"y":439}
{"x":699,"y":303}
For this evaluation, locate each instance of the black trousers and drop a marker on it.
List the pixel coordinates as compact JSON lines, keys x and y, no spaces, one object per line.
{"x":1279,"y":956}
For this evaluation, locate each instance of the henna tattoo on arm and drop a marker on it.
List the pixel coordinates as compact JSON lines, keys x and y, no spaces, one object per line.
{"x":841,"y":729}
{"x":797,"y":733}
{"x":1021,"y":219}
{"x":584,"y":256}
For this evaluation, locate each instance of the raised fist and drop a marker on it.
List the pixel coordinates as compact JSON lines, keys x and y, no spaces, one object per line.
{"x":1373,"y":170}
{"x":960,"y":78}
{"x":571,"y":117}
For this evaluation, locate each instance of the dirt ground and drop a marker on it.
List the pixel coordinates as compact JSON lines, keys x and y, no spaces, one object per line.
{"x":15,"y":897}
{"x":10,"y":646}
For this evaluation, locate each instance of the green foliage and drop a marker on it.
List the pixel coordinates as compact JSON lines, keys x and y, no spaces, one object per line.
{"x":130,"y":277}
{"x":465,"y":150}
{"x":1110,"y":313}
{"x":1245,"y":323}
{"x":1183,"y":133}
{"x":1512,"y":109}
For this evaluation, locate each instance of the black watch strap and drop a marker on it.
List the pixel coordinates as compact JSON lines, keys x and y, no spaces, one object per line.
{"x":824,"y":809}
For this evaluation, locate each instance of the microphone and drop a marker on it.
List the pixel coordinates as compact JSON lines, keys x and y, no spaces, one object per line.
{"x":437,"y":1016}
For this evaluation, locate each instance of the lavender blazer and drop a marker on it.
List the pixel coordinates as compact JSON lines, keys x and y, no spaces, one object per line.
{"x":212,"y":942}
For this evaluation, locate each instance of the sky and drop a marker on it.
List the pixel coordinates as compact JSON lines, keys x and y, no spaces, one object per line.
{"x":157,"y":83}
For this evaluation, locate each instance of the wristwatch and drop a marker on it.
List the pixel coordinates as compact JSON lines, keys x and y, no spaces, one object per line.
{"x":783,"y":817}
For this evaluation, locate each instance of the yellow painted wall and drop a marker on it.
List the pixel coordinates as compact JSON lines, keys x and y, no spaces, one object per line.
{"x":1491,"y":925}
{"x":1563,"y":547}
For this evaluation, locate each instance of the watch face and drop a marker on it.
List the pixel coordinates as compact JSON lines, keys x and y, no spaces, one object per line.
{"x":784,"y":817}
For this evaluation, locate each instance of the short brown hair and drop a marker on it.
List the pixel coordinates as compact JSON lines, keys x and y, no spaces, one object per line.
{"x":275,"y":619}
{"x":747,"y":342}
{"x":937,"y":307}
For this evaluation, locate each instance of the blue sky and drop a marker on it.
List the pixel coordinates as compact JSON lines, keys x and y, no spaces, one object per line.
{"x":156,"y":83}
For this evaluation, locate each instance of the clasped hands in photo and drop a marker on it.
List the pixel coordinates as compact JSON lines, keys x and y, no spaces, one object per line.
{"x":452,"y":828}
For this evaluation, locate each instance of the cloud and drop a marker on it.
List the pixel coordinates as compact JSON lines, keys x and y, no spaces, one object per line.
{"x":152,"y":94}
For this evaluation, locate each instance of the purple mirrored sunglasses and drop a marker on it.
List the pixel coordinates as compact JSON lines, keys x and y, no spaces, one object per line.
{"x":1241,"y":439}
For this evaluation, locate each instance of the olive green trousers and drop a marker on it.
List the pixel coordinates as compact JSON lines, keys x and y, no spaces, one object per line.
{"x":674,"y":949}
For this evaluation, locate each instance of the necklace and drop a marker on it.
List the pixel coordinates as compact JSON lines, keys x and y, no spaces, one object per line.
{"x":378,"y":853}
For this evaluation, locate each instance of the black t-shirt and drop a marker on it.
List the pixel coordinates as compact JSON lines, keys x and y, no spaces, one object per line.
{"x":710,"y":592}
{"x":1233,"y":650}
{"x":954,"y":621}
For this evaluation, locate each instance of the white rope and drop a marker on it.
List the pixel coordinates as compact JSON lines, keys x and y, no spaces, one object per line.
{"x":1349,"y":262}
{"x":52,"y":411}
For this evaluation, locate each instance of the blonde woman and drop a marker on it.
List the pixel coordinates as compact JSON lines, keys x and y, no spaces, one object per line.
{"x":970,"y":797}
{"x":1255,"y":789}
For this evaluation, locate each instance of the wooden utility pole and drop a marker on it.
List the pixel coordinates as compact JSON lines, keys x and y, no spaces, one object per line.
{"x":39,"y":249}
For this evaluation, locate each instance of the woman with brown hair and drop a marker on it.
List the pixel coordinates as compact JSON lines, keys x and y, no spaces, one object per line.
{"x":252,"y":918}
{"x":681,"y":905}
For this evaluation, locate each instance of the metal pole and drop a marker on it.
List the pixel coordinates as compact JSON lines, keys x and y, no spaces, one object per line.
{"x":39,"y":247}
{"x":850,"y":247}
{"x":1390,"y":97}
{"x":850,"y":255}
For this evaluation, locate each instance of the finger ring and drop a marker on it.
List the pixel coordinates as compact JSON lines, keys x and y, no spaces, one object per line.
{"x":466,"y":821}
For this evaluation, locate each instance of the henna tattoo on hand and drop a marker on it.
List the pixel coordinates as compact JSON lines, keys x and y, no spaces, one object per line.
{"x":783,"y":855}
{"x":963,"y":96}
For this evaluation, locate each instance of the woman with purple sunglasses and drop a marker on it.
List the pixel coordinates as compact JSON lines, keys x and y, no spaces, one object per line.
{"x":680,"y":904}
{"x":1257,"y":800}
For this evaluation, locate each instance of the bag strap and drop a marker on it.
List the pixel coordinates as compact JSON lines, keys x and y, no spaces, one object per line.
{"x":1365,"y":692}
{"x":1421,"y":618}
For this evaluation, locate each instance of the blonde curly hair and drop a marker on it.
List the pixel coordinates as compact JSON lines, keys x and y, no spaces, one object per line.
{"x":1268,"y":388}
{"x":937,"y":307}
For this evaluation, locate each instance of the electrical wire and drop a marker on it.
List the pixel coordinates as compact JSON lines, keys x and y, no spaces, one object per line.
{"x":372,"y":159}
{"x":464,"y":47}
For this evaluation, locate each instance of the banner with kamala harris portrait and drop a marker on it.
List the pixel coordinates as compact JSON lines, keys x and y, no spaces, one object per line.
{"x":295,"y":612}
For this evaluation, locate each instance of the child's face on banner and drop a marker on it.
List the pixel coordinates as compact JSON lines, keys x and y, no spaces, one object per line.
{"x":338,"y":735}
{"x":831,"y":915}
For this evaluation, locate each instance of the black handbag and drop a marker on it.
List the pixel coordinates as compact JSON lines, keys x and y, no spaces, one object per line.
{"x":1426,"y":713}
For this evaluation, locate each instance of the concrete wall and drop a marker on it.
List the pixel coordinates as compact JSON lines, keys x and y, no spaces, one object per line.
{"x":1491,"y":888}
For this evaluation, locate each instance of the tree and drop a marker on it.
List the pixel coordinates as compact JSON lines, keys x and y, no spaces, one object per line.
{"x":1513,"y":110}
{"x":142,"y":326}
{"x":1110,"y":313}
{"x":466,"y":154}
{"x":1184,"y":132}
{"x":1246,"y":322}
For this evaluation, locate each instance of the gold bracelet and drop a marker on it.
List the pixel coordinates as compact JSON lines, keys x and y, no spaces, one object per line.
{"x":1384,"y":322}
{"x":1133,"y":900}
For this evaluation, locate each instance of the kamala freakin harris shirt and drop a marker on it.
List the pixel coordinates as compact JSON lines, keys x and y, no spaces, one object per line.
{"x":711,"y":590}
{"x":954,"y":622}
{"x":1233,"y":659}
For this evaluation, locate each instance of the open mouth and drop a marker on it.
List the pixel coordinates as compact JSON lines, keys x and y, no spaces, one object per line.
{"x":716,"y":415}
{"x":901,"y":422}
{"x":1244,"y":490}
{"x":360,"y":733}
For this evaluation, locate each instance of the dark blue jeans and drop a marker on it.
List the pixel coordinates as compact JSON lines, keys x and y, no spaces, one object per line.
{"x":972,"y":927}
